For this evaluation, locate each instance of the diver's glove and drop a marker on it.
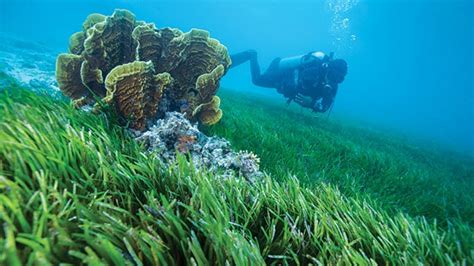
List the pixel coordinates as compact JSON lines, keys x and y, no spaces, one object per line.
{"x":318,"y":106}
{"x":304,"y":101}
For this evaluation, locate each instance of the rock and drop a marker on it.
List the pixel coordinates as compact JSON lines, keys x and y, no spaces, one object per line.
{"x":175,"y":134}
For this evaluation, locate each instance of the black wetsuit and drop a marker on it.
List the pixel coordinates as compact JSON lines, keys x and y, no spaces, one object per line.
{"x":306,"y":79}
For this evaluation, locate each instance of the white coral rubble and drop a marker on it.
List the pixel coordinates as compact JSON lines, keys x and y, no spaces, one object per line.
{"x":175,"y":134}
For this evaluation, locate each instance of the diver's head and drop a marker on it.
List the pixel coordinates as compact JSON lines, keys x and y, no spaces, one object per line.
{"x":337,"y":70}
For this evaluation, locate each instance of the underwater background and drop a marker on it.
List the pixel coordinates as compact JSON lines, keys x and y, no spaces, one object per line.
{"x":410,"y":62}
{"x":385,"y":178}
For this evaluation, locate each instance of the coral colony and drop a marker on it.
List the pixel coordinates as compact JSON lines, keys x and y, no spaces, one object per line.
{"x":176,"y":133}
{"x":146,"y":74}
{"x":140,"y":70}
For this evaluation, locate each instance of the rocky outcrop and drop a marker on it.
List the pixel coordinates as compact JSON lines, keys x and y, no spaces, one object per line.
{"x":175,"y":134}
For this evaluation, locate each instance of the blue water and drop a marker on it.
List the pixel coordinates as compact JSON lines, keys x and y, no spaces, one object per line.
{"x":410,"y":62}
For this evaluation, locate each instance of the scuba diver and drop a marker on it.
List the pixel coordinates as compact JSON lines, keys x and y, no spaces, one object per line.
{"x":311,"y":80}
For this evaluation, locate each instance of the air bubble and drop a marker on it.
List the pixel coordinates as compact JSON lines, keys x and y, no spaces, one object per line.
{"x":345,"y":23}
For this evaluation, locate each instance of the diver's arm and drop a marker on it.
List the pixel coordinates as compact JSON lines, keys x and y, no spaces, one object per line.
{"x":304,"y":101}
{"x":327,"y":100}
{"x":319,"y":105}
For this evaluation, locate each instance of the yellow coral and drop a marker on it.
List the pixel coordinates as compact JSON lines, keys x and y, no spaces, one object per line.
{"x":168,"y":34}
{"x":135,"y":91}
{"x":209,"y":113}
{"x":149,"y":45}
{"x":192,"y":54}
{"x":76,"y":43}
{"x":92,"y":78}
{"x":207,"y":84}
{"x":196,"y":62}
{"x":68,"y":67}
{"x":91,"y":20}
{"x":109,"y":44}
{"x":126,"y":54}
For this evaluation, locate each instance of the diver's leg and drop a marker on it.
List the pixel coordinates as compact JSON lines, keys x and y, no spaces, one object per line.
{"x":242,"y":57}
{"x":257,"y":78}
{"x":267,"y":79}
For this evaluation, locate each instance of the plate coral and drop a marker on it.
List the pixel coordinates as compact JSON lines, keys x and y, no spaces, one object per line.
{"x":142,"y":71}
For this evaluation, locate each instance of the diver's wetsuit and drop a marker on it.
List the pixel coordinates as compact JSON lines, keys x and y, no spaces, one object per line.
{"x":306,"y":79}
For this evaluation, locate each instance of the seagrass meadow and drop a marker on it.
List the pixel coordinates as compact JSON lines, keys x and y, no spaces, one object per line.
{"x":75,"y":188}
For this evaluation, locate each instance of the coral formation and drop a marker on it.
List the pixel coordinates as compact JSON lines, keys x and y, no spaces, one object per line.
{"x":68,"y":75}
{"x":174,"y":133}
{"x":136,"y":91}
{"x":209,"y":113}
{"x":143,"y":71}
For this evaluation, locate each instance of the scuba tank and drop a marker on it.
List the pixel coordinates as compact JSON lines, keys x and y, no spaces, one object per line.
{"x":302,"y":60}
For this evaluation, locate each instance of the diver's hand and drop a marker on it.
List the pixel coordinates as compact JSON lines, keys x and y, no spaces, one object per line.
{"x":304,"y":101}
